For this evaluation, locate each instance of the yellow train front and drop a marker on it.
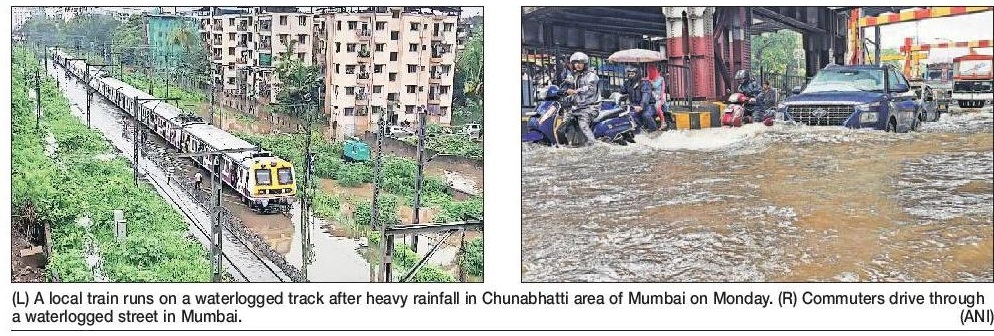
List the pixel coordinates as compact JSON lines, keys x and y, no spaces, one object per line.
{"x":271,"y":184}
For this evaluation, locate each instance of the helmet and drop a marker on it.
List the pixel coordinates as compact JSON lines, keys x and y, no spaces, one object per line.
{"x":742,"y":75}
{"x":579,"y":57}
{"x":632,"y":69}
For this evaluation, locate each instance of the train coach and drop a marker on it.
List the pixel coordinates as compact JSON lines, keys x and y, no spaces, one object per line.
{"x":266,"y":183}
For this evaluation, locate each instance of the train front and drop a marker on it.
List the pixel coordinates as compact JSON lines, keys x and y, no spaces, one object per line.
{"x":274,"y":186}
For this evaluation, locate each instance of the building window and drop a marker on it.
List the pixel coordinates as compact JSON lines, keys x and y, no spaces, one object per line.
{"x":338,"y":46}
{"x":231,"y":36}
{"x":424,"y":47}
{"x":393,"y":56}
{"x":302,"y":21}
{"x":300,"y":56}
{"x":378,"y":109}
{"x":350,"y":69}
{"x":447,"y":27}
{"x":392,"y":96}
{"x":231,"y":22}
{"x":412,"y":88}
{"x":408,"y":109}
{"x":377,"y":88}
{"x":284,"y":38}
{"x":350,"y":47}
{"x":381,"y":25}
{"x":378,"y":68}
{"x":283,"y":20}
{"x":446,"y":68}
{"x":338,"y":25}
{"x":380,"y":46}
{"x":411,"y":68}
{"x":302,"y":38}
{"x":349,"y":111}
{"x":414,"y":26}
{"x":394,"y":35}
{"x":231,"y":50}
{"x":231,"y":80}
{"x":392,"y":76}
{"x":349,"y":90}
{"x":413,"y":47}
{"x":337,"y":67}
{"x":443,"y":90}
{"x":353,"y":25}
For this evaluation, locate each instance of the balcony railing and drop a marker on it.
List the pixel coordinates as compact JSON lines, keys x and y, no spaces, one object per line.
{"x":241,"y":60}
{"x":265,"y":27}
{"x":363,"y":34}
{"x":217,"y":57}
{"x":362,"y":76}
{"x":216,"y":42}
{"x":264,"y":46}
{"x":361,"y":96}
{"x":216,"y":27}
{"x":242,"y":44}
{"x":243,"y":27}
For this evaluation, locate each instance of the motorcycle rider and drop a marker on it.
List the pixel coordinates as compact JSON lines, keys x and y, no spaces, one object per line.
{"x":639,"y":93}
{"x":748,"y":87}
{"x":584,"y":90}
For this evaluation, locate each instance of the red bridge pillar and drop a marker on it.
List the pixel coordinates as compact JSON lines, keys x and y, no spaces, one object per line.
{"x":691,"y":42}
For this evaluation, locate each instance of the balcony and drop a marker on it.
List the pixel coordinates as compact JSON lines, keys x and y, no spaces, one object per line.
{"x":364,"y":56}
{"x":363,"y":77}
{"x":264,"y":45}
{"x":361,"y":97}
{"x":216,"y":42}
{"x":436,"y":37}
{"x":241,"y":60}
{"x":216,"y":27}
{"x":242,"y":27}
{"x":265,"y":26}
{"x":363,"y":34}
{"x":434,"y":99}
{"x":435,"y":78}
{"x":242,"y":44}
{"x":217,"y":57}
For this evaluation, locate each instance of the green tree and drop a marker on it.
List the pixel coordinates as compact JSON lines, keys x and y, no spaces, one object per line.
{"x":774,"y":52}
{"x":195,"y":60}
{"x":299,"y":84}
{"x":469,"y":66}
{"x":129,"y":39}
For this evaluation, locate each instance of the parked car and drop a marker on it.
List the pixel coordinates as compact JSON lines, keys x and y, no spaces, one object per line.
{"x":929,"y":104}
{"x":472,"y":130}
{"x":854,"y":96}
{"x":399,"y":132}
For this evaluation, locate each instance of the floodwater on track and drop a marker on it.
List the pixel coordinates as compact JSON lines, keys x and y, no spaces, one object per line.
{"x":758,"y":204}
{"x":336,"y":256}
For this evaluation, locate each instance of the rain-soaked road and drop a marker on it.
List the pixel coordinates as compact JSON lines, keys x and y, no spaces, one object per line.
{"x":765,"y":204}
{"x":336,"y":257}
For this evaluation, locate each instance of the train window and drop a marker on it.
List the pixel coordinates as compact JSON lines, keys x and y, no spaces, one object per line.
{"x":262,"y":177}
{"x":285,"y":175}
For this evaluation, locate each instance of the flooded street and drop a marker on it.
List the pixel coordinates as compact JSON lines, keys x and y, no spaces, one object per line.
{"x":765,"y":204}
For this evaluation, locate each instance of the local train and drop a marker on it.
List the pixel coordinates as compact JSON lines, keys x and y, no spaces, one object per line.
{"x":265,"y":182}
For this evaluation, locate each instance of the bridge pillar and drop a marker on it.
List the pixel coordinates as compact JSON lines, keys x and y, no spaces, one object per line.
{"x":691,"y":43}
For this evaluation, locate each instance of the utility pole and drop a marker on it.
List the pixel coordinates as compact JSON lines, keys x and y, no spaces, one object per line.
{"x":37,"y":100}
{"x":386,"y":242}
{"x":307,"y":201}
{"x":419,"y":177}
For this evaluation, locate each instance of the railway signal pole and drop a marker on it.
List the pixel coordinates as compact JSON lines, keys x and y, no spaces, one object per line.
{"x":386,"y":242}
{"x":419,"y":177}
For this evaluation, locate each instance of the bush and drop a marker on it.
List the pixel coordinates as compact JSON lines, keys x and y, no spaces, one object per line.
{"x":473,"y":260}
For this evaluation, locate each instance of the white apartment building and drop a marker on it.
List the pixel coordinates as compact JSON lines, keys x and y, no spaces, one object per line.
{"x":387,"y":54}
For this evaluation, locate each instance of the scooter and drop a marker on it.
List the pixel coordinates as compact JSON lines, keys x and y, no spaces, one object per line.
{"x":735,"y":111}
{"x":549,"y":124}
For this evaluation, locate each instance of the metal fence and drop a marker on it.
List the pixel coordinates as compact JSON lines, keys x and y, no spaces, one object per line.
{"x":782,"y":82}
{"x":240,"y":231}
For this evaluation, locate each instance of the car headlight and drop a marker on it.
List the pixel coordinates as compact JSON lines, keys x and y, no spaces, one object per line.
{"x":867,"y":107}
{"x":868,"y":117}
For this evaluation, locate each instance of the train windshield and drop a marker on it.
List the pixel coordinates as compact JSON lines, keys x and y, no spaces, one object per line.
{"x":263,"y":177}
{"x":285,"y":175}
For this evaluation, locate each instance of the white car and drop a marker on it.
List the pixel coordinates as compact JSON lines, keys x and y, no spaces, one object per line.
{"x":399,"y":132}
{"x":471,"y":129}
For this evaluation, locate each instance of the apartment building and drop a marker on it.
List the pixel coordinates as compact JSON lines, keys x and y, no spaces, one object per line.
{"x":20,"y":15}
{"x":246,"y":45}
{"x":378,"y":56}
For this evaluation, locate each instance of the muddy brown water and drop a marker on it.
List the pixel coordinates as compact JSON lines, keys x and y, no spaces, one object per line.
{"x":777,"y":204}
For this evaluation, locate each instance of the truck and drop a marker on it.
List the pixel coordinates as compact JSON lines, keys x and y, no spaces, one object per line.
{"x":973,"y":81}
{"x":939,"y":76}
{"x":355,"y":150}
{"x":854,"y":96}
